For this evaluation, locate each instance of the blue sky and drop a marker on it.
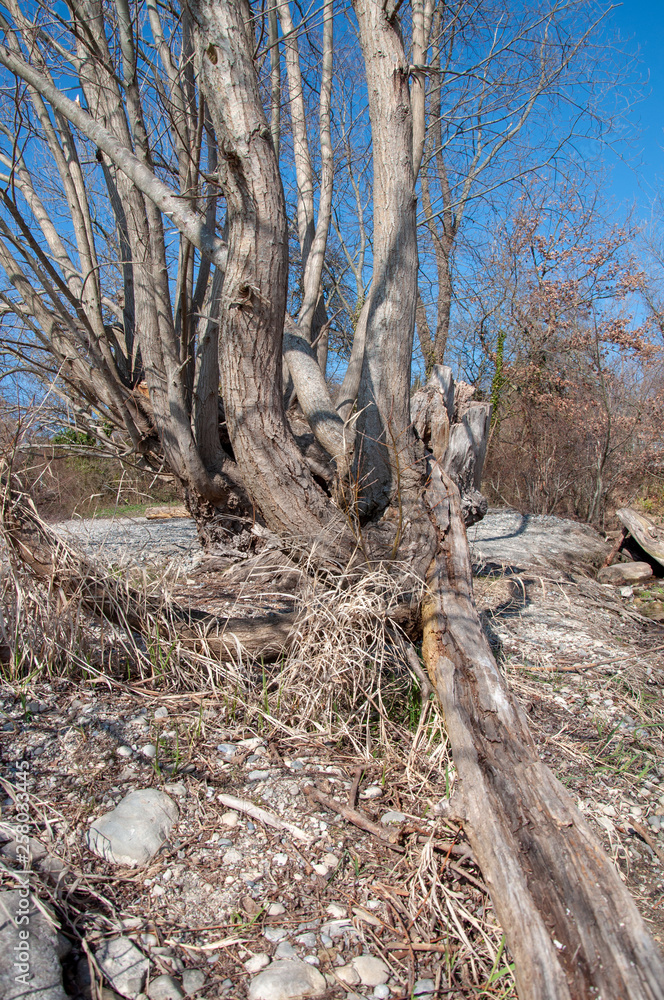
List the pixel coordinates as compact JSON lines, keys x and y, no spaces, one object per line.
{"x":640,"y":24}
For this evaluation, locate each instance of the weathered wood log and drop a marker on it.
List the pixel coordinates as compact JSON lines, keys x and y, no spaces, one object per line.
{"x":570,"y":924}
{"x":161,"y":513}
{"x":649,"y":535}
{"x":455,"y":429}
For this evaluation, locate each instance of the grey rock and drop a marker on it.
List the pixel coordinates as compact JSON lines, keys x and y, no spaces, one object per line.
{"x":176,"y":788}
{"x":382,"y":992}
{"x":18,"y":850}
{"x":232,"y":857}
{"x":425,"y":989}
{"x":37,"y":974}
{"x":287,"y":980}
{"x":372,"y":792}
{"x":227,"y":749}
{"x":392,"y":817}
{"x":149,"y":750}
{"x":308,"y":940}
{"x":124,"y":966}
{"x":258,"y":775}
{"x":135,"y":830}
{"x":506,"y":538}
{"x":275,"y":909}
{"x":625,"y":573}
{"x":285,"y":950}
{"x":326,"y":941}
{"x":275,"y":934}
{"x":165,"y":988}
{"x":193,"y":980}
{"x":371,"y":970}
{"x":161,"y":712}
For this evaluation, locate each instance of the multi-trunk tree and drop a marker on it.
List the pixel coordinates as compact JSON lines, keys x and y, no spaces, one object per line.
{"x":183,"y":342}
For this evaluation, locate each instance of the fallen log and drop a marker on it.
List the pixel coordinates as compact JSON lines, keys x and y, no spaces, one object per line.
{"x":571,"y":925}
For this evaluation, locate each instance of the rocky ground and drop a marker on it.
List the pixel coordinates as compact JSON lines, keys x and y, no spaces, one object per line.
{"x":191,"y":843}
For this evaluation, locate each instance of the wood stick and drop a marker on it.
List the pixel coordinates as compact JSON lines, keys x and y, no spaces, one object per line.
{"x":263,"y":816}
{"x":353,"y":816}
{"x":616,"y":547}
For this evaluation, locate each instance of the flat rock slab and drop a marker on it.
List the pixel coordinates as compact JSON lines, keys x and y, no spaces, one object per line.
{"x":124,"y":966}
{"x":287,"y":980}
{"x":30,"y":950}
{"x":622,"y":574}
{"x":135,"y":830}
{"x":504,"y":538}
{"x":507,"y":539}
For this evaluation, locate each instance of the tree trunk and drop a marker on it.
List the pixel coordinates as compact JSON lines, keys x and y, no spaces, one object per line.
{"x":571,"y":925}
{"x":385,"y":454}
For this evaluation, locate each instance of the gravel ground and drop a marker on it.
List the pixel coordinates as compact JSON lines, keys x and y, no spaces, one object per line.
{"x":504,"y":538}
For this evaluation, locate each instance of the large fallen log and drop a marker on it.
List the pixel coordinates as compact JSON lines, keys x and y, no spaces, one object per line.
{"x":571,"y":925}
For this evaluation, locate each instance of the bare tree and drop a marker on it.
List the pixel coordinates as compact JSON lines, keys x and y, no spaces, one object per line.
{"x":571,"y":925}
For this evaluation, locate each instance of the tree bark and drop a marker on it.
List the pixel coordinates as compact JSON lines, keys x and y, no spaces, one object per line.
{"x":385,"y":454}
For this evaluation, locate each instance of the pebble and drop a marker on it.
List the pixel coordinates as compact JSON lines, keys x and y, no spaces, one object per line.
{"x":176,"y":788}
{"x":307,"y":940}
{"x":161,"y":712}
{"x":275,"y":934}
{"x":165,"y":987}
{"x":287,"y":980}
{"x":280,"y":859}
{"x":193,"y":980}
{"x":134,"y":831}
{"x":232,"y":857}
{"x":425,"y":989}
{"x":336,"y":911}
{"x":382,"y":992}
{"x":123,"y":964}
{"x":257,"y":962}
{"x":348,"y":975}
{"x":149,"y":750}
{"x":320,"y":869}
{"x":227,"y":749}
{"x":229,"y":818}
{"x":285,"y":950}
{"x":276,"y":909}
{"x":43,"y":955}
{"x":258,"y":775}
{"x":392,"y":817}
{"x":372,"y":792}
{"x":326,"y":941}
{"x":124,"y":751}
{"x":371,"y":970}
{"x":336,"y":928}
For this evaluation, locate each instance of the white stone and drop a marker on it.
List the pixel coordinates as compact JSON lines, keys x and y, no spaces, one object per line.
{"x":336,"y":911}
{"x":229,"y":818}
{"x":320,"y":869}
{"x":392,"y":817}
{"x":232,"y":857}
{"x":124,"y":966}
{"x":44,"y":951}
{"x":280,"y":859}
{"x":348,"y":975}
{"x":276,"y":909}
{"x":124,"y":751}
{"x":257,"y":962}
{"x":287,"y":980}
{"x":149,"y":750}
{"x":258,"y":775}
{"x":193,"y":980}
{"x":135,"y":830}
{"x":371,"y":970}
{"x":373,"y":792}
{"x":165,"y":987}
{"x":161,"y":713}
{"x":330,"y":860}
{"x":382,"y":992}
